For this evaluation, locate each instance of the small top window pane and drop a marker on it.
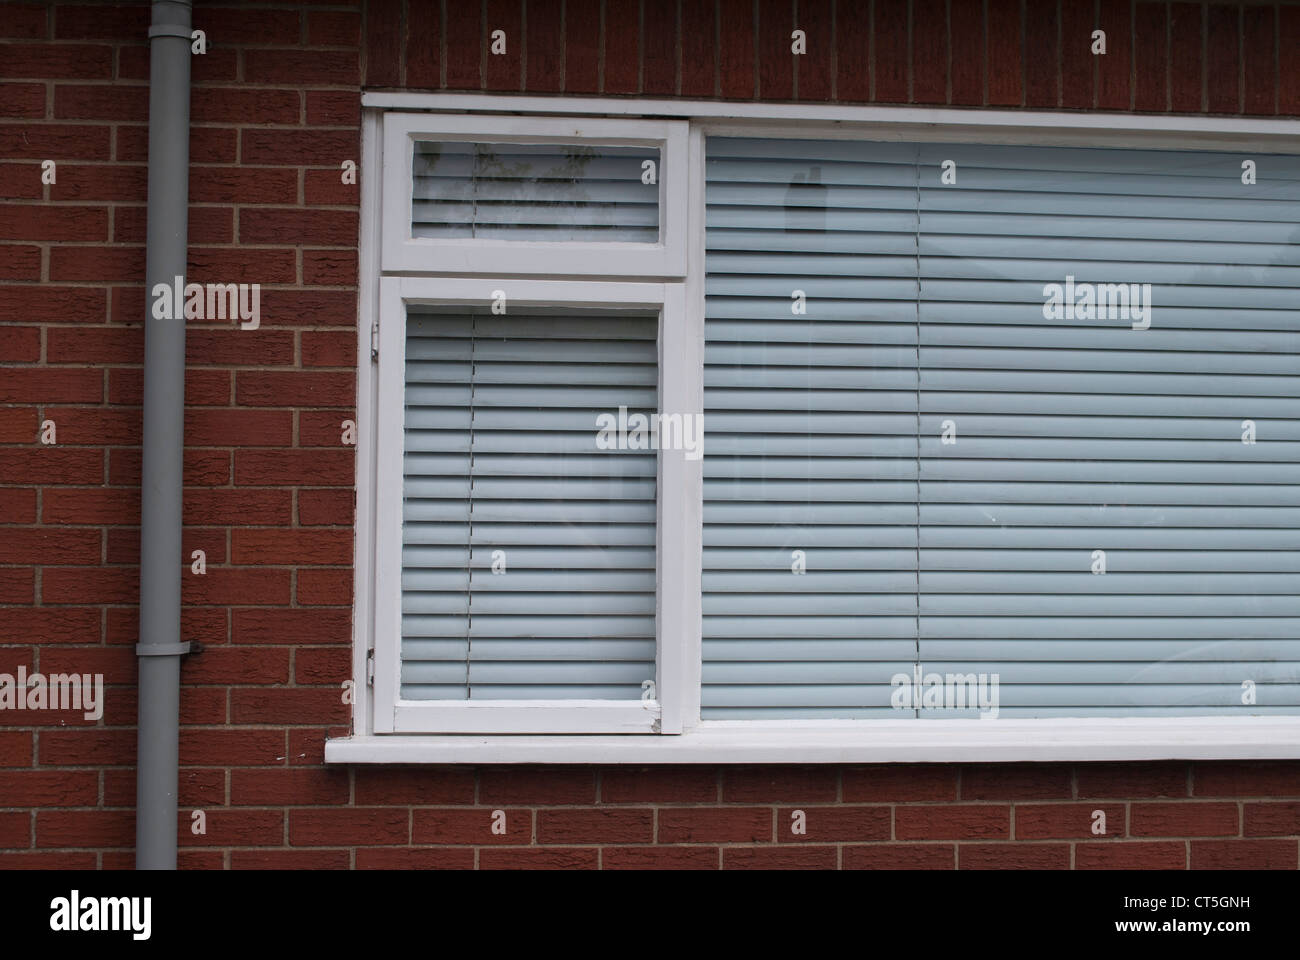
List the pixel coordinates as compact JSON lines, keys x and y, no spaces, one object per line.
{"x":535,"y":191}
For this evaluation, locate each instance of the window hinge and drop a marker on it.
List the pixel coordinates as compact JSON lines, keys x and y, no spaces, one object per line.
{"x":374,"y":342}
{"x":370,"y":668}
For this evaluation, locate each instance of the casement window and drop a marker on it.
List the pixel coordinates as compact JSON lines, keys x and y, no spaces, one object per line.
{"x":965,"y":436}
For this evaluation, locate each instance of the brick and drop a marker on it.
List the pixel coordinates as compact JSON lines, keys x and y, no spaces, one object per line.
{"x":371,"y":826}
{"x":582,"y":46}
{"x":1043,"y":67}
{"x":389,"y":858}
{"x":101,"y":22}
{"x":23,"y":100}
{"x":504,"y":70}
{"x":329,"y":349}
{"x":284,"y":225}
{"x":1288,"y":64}
{"x":1150,"y":28}
{"x":538,"y":858}
{"x":1272,"y":819}
{"x":1136,"y":780}
{"x":1004,"y":35}
{"x":290,"y":859}
{"x":543,"y":49}
{"x":853,"y":52}
{"x":383,"y":41}
{"x":471,"y":826}
{"x":1243,"y":855}
{"x":242,"y":185}
{"x":124,"y":183}
{"x":235,"y":266}
{"x":502,"y":786}
{"x":890,"y":36}
{"x":117,"y":102}
{"x":715,"y":824}
{"x":258,"y":467}
{"x":18,"y":181}
{"x":97,"y":264}
{"x":1051,"y":821}
{"x":95,"y":344}
{"x":61,"y":61}
{"x":900,"y":856}
{"x":20,"y":345}
{"x":1223,"y":59}
{"x":331,"y":29}
{"x":40,"y":625}
{"x":929,"y":51}
{"x":329,"y":109}
{"x":25,"y":21}
{"x":17,"y":506}
{"x":1032,"y":781}
{"x":774,"y":57}
{"x":699,"y":50}
{"x":90,"y":585}
{"x":228,"y":665}
{"x":288,"y":706}
{"x":251,"y":26}
{"x":84,"y":828}
{"x":197,"y":788}
{"x":966,"y":30}
{"x":20,"y":262}
{"x":953,"y":822}
{"x":291,"y":547}
{"x":207,"y":144}
{"x":779,"y":858}
{"x":689,"y":784}
{"x":291,"y":626}
{"x":659,"y":42}
{"x":1128,"y":855}
{"x":322,"y":428}
{"x":45,"y":303}
{"x":1078,"y":62}
{"x":325,"y":665}
{"x":15,"y":748}
{"x":326,"y":188}
{"x":297,"y":148}
{"x":45,"y":223}
{"x":423,"y":44}
{"x":306,"y":786}
{"x":98,"y":505}
{"x":1246,"y":779}
{"x":659,"y":858}
{"x":43,"y":788}
{"x":329,"y":268}
{"x":17,"y":586}
{"x":769,"y":784}
{"x":316,"y":507}
{"x":1113,"y":69}
{"x":235,"y":105}
{"x":1259,"y":30}
{"x":309,"y":307}
{"x":1185,"y":76}
{"x":622,"y":46}
{"x":838,"y":824}
{"x":466,"y":40}
{"x":232,"y":828}
{"x":328,"y":68}
{"x":813,"y":69}
{"x":1013,"y":856}
{"x":245,"y":586}
{"x":413,"y":785}
{"x":600,"y":825}
{"x":736,"y":49}
{"x":87,"y":748}
{"x":46,"y":860}
{"x":248,"y":428}
{"x":54,"y":141}
{"x":297,"y":388}
{"x":220,"y":748}
{"x":1183,"y":819}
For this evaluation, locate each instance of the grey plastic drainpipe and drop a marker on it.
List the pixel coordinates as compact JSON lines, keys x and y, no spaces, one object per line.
{"x":160,"y":648}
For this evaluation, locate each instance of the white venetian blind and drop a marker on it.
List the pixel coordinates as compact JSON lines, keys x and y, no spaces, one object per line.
{"x":528,"y":558}
{"x":925,"y":310}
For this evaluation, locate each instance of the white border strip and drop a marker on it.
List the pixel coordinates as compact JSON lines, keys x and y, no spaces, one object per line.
{"x":886,"y":741}
{"x":813,"y":114}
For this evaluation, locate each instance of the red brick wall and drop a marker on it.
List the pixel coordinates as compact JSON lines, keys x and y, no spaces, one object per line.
{"x":269,"y":493}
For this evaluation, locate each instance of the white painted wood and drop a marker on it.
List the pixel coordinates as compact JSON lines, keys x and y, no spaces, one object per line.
{"x":363,"y":609}
{"x":821,"y":120}
{"x":464,"y":257}
{"x":527,"y":716}
{"x":883,"y":741}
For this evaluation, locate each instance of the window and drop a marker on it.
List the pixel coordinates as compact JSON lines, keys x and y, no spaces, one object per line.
{"x":713,"y":440}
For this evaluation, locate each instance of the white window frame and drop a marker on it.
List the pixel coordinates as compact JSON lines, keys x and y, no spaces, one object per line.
{"x":466,"y":257}
{"x":661,"y":713}
{"x":680,"y":482}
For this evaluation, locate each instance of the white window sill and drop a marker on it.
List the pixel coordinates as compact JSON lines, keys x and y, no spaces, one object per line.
{"x":883,"y":741}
